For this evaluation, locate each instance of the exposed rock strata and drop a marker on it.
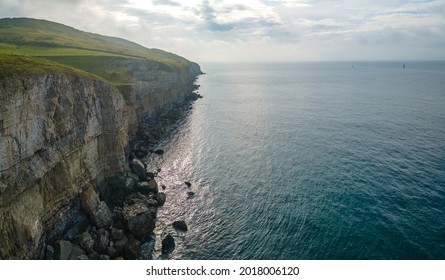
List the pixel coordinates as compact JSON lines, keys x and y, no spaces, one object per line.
{"x":59,"y":135}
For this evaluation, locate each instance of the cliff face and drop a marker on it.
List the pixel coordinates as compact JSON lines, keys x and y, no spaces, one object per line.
{"x":62,"y":132}
{"x":155,"y":90}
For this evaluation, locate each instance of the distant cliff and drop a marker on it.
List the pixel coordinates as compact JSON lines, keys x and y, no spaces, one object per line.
{"x":63,"y":131}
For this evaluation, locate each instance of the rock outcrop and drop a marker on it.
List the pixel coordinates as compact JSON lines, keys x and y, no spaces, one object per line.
{"x":60,"y":134}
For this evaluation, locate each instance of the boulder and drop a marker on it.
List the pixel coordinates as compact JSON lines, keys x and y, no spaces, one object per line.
{"x":159,"y":151}
{"x":160,"y":198}
{"x":180,"y":225}
{"x":117,"y":234}
{"x":150,"y":175}
{"x":97,"y":210}
{"x":87,"y":242}
{"x":140,"y":151}
{"x":102,"y":217}
{"x":89,"y":200}
{"x":76,"y":252}
{"x":141,"y":224}
{"x":133,"y":176}
{"x":138,"y":168}
{"x":64,"y":249}
{"x":49,"y":252}
{"x":94,"y":256}
{"x":168,"y":244}
{"x":120,"y":245}
{"x":112,"y":252}
{"x":153,"y":212}
{"x":118,"y":219}
{"x":130,"y":185}
{"x":133,"y":249}
{"x":147,"y":187}
{"x":138,"y":218}
{"x":101,"y":244}
{"x":190,"y":194}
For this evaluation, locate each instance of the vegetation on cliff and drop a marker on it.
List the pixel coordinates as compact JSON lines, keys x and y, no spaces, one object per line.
{"x":19,"y":64}
{"x":90,"y":52}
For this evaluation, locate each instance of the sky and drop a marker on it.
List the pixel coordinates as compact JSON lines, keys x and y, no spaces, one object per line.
{"x":258,"y":30}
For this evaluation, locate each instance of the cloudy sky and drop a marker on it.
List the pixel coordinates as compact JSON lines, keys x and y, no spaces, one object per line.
{"x":258,"y":30}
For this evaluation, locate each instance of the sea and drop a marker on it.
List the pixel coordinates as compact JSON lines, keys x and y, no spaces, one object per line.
{"x":316,"y":161}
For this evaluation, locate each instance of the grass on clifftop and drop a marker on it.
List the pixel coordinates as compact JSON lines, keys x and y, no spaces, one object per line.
{"x":87,"y":51}
{"x":18,"y":64}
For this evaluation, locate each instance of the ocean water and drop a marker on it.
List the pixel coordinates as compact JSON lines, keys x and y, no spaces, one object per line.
{"x":309,"y":161}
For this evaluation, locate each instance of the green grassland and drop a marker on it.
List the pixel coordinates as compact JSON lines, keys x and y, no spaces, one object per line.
{"x":82,"y":50}
{"x":15,"y":64}
{"x":98,"y":65}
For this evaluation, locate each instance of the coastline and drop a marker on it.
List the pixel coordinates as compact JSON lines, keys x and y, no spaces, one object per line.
{"x":132,"y":198}
{"x":68,"y":139}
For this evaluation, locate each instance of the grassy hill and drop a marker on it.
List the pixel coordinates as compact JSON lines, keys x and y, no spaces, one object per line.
{"x":86,"y":51}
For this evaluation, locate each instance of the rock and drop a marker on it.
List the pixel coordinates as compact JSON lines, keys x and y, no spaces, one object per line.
{"x":97,"y":210}
{"x":142,"y":187}
{"x":168,"y":244}
{"x":163,"y":187}
{"x":89,"y":200}
{"x":117,"y":234}
{"x":133,"y":249}
{"x":101,"y":243}
{"x":64,"y":249}
{"x":153,"y":212}
{"x":130,"y":185}
{"x":120,"y":245}
{"x":159,"y":151}
{"x":138,"y":168}
{"x":49,"y":252}
{"x":94,"y":256}
{"x":152,"y":202}
{"x":133,"y":176}
{"x":147,"y":187}
{"x":140,"y":151}
{"x":82,"y":257}
{"x":87,"y":242}
{"x":104,"y":258}
{"x":150,"y":175}
{"x":141,"y":224}
{"x":190,"y":195}
{"x":102,"y":217}
{"x":118,"y":219}
{"x":112,"y":252}
{"x":180,"y":225}
{"x":188,"y":184}
{"x":138,"y":218}
{"x":76,"y":252}
{"x":153,"y":186}
{"x":160,"y":198}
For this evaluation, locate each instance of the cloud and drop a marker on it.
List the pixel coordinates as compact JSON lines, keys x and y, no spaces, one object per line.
{"x":166,"y":2}
{"x":232,"y":29}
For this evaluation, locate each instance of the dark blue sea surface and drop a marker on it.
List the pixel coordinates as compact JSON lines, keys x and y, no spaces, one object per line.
{"x":310,"y":161}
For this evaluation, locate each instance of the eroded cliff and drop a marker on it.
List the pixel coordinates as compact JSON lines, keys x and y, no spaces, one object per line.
{"x":61,"y":132}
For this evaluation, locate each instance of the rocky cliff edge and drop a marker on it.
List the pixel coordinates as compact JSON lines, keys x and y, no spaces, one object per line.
{"x":64,"y":131}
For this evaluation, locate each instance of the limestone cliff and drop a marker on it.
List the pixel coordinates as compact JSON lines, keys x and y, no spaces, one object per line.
{"x":62,"y":132}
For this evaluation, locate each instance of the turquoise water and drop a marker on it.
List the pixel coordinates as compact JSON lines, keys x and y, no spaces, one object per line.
{"x":310,"y":161}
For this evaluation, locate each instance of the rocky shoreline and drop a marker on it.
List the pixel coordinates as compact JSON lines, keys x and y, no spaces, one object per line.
{"x":120,"y":215}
